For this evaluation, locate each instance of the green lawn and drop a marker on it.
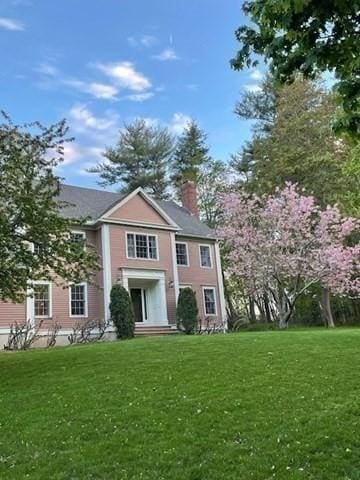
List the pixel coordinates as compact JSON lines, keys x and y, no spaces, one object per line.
{"x":267,"y":405}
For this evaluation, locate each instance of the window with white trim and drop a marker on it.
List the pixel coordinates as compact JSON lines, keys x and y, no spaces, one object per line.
{"x":209,"y":301}
{"x":78,"y":300}
{"x":42,"y":300}
{"x":182,"y":254}
{"x":205,"y":256}
{"x":141,"y":245}
{"x":78,"y":237}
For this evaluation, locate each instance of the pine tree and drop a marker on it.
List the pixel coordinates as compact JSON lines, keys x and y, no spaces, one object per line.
{"x":140,"y":159}
{"x":190,"y":155}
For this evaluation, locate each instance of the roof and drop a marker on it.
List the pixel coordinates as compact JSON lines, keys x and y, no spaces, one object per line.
{"x":92,"y":203}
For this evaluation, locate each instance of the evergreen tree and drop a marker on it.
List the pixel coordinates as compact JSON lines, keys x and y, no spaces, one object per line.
{"x":122,"y":312}
{"x":140,"y":159}
{"x":190,"y":155}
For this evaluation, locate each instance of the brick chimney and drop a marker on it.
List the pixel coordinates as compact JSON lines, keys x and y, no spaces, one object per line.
{"x":189,"y":198}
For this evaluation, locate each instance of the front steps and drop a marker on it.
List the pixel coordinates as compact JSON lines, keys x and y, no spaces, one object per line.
{"x":153,"y":330}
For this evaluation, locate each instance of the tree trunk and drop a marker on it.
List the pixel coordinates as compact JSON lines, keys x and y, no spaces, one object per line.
{"x":252,"y":314}
{"x":325,"y":307}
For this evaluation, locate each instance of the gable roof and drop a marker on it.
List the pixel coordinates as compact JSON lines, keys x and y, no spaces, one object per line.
{"x":92,"y":203}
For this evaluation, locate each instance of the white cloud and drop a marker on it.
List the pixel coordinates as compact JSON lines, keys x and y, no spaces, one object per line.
{"x":256,"y":75}
{"x":82,"y":119}
{"x":11,"y":24}
{"x":145,"y":41}
{"x":97,"y":90}
{"x":47,"y":69}
{"x":125,"y":75}
{"x":178,"y":122}
{"x":139,"y":97}
{"x":75,"y":153}
{"x":252,"y":88}
{"x":168,"y":54}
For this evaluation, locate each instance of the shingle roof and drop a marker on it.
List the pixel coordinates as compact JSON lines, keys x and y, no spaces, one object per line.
{"x":91,"y":203}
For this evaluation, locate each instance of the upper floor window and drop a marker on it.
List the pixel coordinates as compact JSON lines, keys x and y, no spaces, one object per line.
{"x":182,"y":254}
{"x":141,"y":245}
{"x":78,"y":237}
{"x":209,"y":301}
{"x":205,"y":256}
{"x":78,"y":300}
{"x":42,"y":300}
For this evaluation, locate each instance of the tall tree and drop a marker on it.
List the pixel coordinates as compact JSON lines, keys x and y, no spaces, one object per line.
{"x":30,"y":212}
{"x":140,"y":159}
{"x":212,"y":181}
{"x":307,"y":37}
{"x":190,"y":155}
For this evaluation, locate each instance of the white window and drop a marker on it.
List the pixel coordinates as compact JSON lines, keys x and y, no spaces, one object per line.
{"x":141,"y":245}
{"x":78,"y":300}
{"x":209,"y":300}
{"x":78,"y":237}
{"x":38,"y":249}
{"x":182,"y":254}
{"x":205,"y":256}
{"x":42,"y":299}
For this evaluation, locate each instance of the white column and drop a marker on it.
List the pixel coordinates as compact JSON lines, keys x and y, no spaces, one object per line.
{"x":175,"y":267}
{"x":106,"y":260}
{"x":30,"y":314}
{"x":220,"y":284}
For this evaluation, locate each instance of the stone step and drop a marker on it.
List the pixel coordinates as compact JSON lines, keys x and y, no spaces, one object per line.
{"x":154,"y":330}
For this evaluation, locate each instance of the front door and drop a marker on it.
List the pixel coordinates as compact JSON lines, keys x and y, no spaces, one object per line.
{"x":137,"y":297}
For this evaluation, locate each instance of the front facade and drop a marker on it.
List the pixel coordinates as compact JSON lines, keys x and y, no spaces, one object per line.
{"x":153,"y":248}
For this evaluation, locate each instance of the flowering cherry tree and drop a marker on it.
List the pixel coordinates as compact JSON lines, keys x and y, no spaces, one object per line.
{"x":282,"y":244}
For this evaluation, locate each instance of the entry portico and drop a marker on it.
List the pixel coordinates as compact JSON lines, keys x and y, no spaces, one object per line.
{"x":148,"y":293}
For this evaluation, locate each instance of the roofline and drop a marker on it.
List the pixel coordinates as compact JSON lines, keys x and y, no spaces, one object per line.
{"x":152,"y":202}
{"x":203,"y":237}
{"x":156,"y":226}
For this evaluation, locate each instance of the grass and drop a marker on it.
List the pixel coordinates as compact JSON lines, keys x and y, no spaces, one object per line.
{"x":267,"y":405}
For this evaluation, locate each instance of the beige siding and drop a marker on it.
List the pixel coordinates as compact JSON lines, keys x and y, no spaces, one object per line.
{"x":119,"y":259}
{"x":198,"y":277}
{"x":138,"y":210}
{"x":11,"y":313}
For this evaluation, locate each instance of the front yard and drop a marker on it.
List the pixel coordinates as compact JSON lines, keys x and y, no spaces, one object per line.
{"x":268,"y":405}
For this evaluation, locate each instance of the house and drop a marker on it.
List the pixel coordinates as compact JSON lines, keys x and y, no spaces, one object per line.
{"x":154,"y":248}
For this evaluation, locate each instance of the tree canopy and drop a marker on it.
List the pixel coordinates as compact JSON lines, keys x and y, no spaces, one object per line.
{"x":307,"y":36}
{"x":35,"y":239}
{"x":140,"y":159}
{"x":191,"y":153}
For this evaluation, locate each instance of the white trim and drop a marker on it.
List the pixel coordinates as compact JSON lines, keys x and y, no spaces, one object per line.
{"x":220,"y":284}
{"x":43,"y":282}
{"x":30,"y":310}
{"x":147,"y":198}
{"x":210,"y":254}
{"x":106,"y":263}
{"x":147,"y":235}
{"x":139,"y":224}
{"x":187,"y":254}
{"x":84,"y":284}
{"x":204,"y":306}
{"x":147,"y":274}
{"x":175,"y":269}
{"x":185,"y":285}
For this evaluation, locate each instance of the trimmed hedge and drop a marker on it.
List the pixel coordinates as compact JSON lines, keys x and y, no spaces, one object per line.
{"x":122,"y":312}
{"x":187,"y":311}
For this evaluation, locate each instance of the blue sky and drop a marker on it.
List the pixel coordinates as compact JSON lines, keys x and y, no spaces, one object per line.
{"x":102,"y":63}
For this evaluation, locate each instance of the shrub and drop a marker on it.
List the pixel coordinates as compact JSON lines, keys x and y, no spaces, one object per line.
{"x":187,"y":311}
{"x":122,"y":312}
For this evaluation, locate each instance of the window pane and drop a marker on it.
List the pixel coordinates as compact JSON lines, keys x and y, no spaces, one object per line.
{"x":209,"y":300}
{"x":152,"y":247}
{"x":131,"y":245}
{"x":78,"y":300}
{"x":141,"y":246}
{"x":77,"y":237}
{"x":41,"y":300}
{"x":181,"y":254}
{"x":205,"y":256}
